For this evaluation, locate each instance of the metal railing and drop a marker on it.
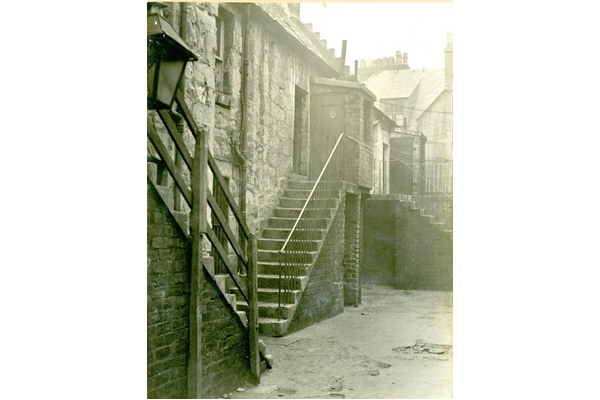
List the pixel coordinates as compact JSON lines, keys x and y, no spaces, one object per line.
{"x":435,"y":191}
{"x":301,"y":247}
{"x":428,"y":183}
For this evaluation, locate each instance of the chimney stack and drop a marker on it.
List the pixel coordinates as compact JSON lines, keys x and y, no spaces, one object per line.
{"x":398,"y":57}
{"x":405,"y":58}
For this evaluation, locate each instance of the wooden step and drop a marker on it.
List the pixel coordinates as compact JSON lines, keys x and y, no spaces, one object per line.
{"x":152,"y":171}
{"x":183,"y":220}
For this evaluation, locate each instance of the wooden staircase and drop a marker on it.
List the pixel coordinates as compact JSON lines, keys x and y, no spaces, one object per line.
{"x":239,"y":268}
{"x":182,"y":218}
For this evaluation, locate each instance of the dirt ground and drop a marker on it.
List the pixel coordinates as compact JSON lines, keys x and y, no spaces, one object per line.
{"x":397,"y":344}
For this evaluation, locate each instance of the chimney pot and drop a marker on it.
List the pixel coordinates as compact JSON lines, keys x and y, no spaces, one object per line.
{"x":405,"y":58}
{"x":398,"y":57}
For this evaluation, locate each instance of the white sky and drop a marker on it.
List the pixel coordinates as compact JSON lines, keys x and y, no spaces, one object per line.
{"x":375,"y":30}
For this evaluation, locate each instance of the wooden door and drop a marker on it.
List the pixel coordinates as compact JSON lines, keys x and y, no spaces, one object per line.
{"x":327,"y":122}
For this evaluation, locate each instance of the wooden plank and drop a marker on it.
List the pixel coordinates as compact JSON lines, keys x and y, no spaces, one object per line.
{"x":176,"y":136}
{"x":252,"y":281}
{"x":164,"y":154}
{"x":189,"y":119}
{"x":197,"y":229}
{"x":225,"y":225}
{"x":225,"y":257}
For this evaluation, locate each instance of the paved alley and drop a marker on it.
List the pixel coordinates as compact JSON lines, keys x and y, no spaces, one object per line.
{"x":398,"y":344}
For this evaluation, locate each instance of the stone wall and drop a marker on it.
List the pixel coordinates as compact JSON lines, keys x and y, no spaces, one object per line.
{"x":424,"y":253}
{"x":275,"y":69}
{"x":323,"y":297}
{"x":380,"y":242}
{"x":403,"y":248}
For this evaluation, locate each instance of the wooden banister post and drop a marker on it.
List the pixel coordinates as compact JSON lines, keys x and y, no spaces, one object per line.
{"x":252,"y":282}
{"x":197,"y":230}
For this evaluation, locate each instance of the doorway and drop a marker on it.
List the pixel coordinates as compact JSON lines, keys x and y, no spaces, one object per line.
{"x":327,"y":123}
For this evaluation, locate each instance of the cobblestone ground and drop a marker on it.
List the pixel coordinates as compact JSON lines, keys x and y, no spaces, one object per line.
{"x":397,"y":344}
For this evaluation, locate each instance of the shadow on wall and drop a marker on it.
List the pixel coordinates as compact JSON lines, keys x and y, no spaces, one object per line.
{"x":403,"y":248}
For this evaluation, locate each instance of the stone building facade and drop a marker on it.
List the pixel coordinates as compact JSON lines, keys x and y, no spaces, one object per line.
{"x":258,"y":72}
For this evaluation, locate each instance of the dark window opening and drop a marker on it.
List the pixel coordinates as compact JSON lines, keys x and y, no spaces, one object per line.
{"x":224,"y":44}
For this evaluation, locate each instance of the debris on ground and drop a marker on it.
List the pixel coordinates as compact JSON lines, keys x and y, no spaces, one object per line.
{"x":424,"y":348}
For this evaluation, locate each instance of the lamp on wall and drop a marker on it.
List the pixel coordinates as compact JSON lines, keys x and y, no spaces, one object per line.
{"x":167,"y":57}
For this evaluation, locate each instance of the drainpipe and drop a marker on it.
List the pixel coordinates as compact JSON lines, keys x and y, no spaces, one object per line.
{"x":240,"y":152}
{"x":244,"y":108}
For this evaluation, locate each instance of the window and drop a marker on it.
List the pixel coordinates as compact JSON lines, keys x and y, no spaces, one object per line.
{"x":224,"y":23}
{"x":399,"y":119}
{"x":219,"y":56}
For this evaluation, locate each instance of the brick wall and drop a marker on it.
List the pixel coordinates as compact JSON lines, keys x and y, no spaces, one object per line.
{"x":352,"y":250}
{"x":168,"y":288}
{"x":225,"y":345}
{"x":323,"y":297}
